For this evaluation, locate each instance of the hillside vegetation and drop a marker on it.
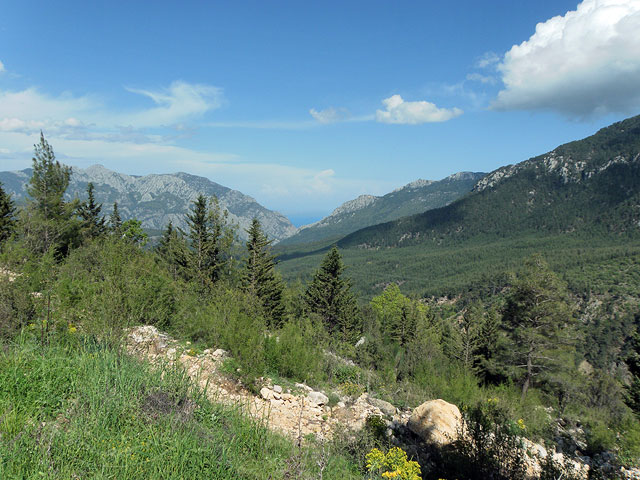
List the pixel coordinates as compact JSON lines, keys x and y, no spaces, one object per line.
{"x":543,"y":346}
{"x":579,"y":204}
{"x":366,"y":210}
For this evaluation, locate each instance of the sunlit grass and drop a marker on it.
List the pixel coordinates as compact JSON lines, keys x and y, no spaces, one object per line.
{"x":77,"y":409}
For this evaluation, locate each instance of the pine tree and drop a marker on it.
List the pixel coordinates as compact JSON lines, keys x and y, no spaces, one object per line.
{"x":49,"y":218}
{"x":329,"y":296}
{"x":210,"y":237}
{"x":172,"y":249}
{"x":115,"y":222}
{"x":259,"y":276}
{"x":7,"y":215}
{"x":133,"y":232}
{"x":470,"y":325}
{"x":199,"y":234}
{"x":488,"y":349}
{"x":93,"y":224}
{"x":539,"y":323}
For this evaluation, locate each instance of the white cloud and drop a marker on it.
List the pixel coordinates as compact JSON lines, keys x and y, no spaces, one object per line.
{"x":478,"y":77}
{"x":2,"y":69}
{"x":30,"y":105}
{"x":330,"y":115}
{"x":584,"y":63}
{"x":488,"y":60}
{"x":176,"y":103}
{"x":30,"y":110}
{"x":413,"y":113}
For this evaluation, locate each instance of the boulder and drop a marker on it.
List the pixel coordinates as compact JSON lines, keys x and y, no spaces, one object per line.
{"x":266,"y":393}
{"x":436,"y":422}
{"x":385,"y":407}
{"x":318,"y":398}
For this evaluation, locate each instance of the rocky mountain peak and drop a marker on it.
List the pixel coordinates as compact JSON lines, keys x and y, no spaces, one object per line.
{"x":158,"y":199}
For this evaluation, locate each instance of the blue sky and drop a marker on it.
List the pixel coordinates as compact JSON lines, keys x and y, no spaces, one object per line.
{"x":304,"y":105}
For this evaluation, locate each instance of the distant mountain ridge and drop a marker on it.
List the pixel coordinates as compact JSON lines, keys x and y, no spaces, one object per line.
{"x":365,"y":210}
{"x":157,"y":199}
{"x":586,"y":185}
{"x":577,"y":205}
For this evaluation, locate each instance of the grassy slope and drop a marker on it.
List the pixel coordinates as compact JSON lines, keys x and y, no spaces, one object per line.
{"x":77,"y":409}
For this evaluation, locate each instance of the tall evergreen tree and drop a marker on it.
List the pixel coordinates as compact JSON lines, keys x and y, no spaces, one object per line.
{"x":539,"y":323}
{"x":210,"y":237}
{"x":329,"y":295}
{"x":115,"y":222}
{"x":93,"y":224}
{"x":470,"y":325}
{"x":7,"y":215}
{"x":49,"y":218}
{"x":199,"y":234}
{"x":173,"y":250}
{"x":488,"y":349}
{"x":259,"y":277}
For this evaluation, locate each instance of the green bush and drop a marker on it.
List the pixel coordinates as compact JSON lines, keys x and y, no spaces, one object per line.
{"x":293,"y":353}
{"x":600,"y":438}
{"x":488,"y":445}
{"x":109,"y":285}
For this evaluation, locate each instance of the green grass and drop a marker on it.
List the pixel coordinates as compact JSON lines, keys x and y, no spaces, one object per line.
{"x":79,"y":409}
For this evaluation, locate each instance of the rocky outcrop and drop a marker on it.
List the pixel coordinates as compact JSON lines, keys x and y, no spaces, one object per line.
{"x":436,"y":422}
{"x":296,"y":411}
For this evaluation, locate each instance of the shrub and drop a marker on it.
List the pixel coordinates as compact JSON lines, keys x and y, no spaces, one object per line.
{"x":293,"y":353}
{"x":488,"y":445}
{"x":393,"y":464}
{"x":600,"y":438}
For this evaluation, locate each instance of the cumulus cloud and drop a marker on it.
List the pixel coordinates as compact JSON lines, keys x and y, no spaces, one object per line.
{"x":330,"y":115}
{"x":584,"y":63}
{"x":413,"y":113}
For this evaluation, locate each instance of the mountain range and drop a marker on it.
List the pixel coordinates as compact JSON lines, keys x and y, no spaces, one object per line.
{"x":586,"y":185}
{"x":578,"y":205}
{"x":156,"y":200}
{"x":415,"y":197}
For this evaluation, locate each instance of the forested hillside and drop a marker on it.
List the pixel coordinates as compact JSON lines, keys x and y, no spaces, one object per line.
{"x":579,"y":204}
{"x":591,"y":186}
{"x":366,"y":210}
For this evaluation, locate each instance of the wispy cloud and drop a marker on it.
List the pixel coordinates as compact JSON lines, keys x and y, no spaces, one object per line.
{"x":397,"y":110}
{"x":478,"y":77}
{"x":2,"y":69}
{"x":488,"y":60}
{"x":180,"y":101}
{"x":330,"y":115}
{"x":583,"y":63}
{"x":264,"y":125}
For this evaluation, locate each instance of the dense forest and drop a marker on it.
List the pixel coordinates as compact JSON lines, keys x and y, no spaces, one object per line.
{"x":544,"y":345}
